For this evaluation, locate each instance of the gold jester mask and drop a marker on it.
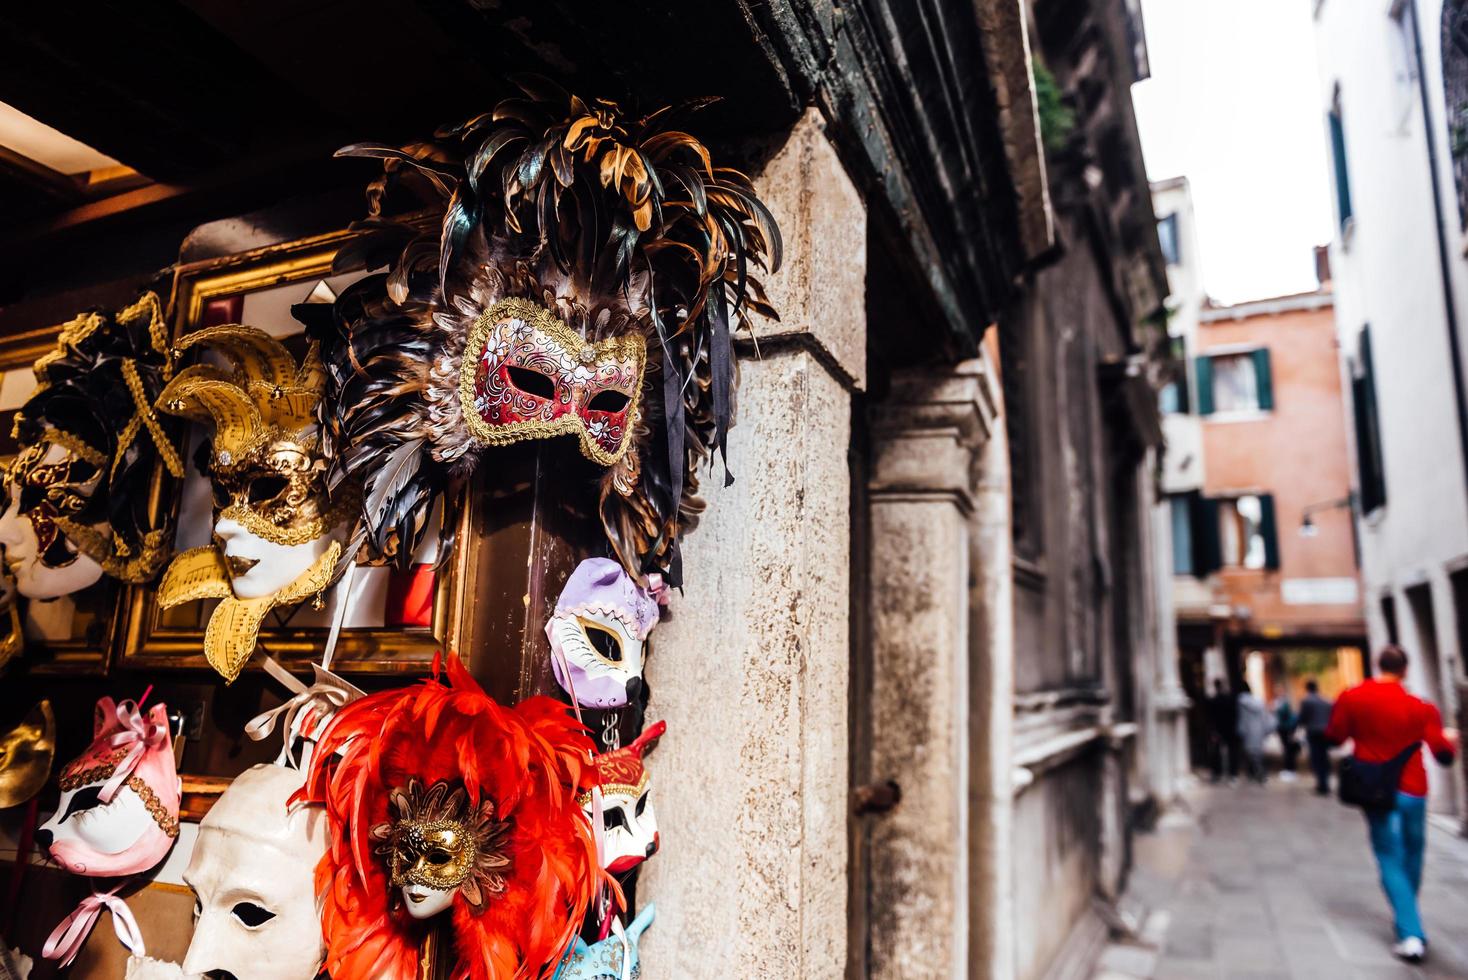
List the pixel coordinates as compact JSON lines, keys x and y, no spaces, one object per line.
{"x":267,"y":474}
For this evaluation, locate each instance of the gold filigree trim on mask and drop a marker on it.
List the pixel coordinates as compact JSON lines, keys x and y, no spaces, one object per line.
{"x":69,"y":442}
{"x":234,"y":627}
{"x":617,"y":789}
{"x":514,"y":308}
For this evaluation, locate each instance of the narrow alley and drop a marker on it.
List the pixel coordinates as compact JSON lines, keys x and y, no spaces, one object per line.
{"x":1275,"y":882}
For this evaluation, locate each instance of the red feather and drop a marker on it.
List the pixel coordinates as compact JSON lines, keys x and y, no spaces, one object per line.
{"x":530,"y":759}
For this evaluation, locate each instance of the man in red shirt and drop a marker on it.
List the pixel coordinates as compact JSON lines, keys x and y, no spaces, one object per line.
{"x":1384,"y":721}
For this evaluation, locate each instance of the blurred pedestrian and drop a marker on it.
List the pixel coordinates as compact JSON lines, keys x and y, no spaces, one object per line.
{"x":1388,"y":726}
{"x":1255,"y":724}
{"x":1223,"y":732}
{"x":1286,"y":723}
{"x":1314,"y":716}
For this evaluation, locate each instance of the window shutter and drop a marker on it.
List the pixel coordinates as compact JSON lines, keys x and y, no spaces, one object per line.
{"x":1207,"y":543}
{"x":1203,"y":371}
{"x":1342,"y":175}
{"x":1269,"y":530}
{"x":1263,"y":380}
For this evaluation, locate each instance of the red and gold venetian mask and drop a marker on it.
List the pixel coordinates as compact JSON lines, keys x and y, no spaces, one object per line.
{"x":527,"y":375}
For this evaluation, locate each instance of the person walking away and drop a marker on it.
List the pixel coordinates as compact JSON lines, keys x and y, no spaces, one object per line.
{"x":1223,"y":732}
{"x":1314,"y":716}
{"x":1286,"y":722}
{"x":1386,"y":723}
{"x":1255,"y":724}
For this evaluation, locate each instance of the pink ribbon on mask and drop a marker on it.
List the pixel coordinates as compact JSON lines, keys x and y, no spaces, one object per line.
{"x":658,"y":589}
{"x":68,"y":938}
{"x":139,"y":735}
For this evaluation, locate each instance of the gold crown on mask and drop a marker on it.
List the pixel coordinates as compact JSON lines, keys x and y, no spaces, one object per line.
{"x":262,"y":397}
{"x":266,"y":463}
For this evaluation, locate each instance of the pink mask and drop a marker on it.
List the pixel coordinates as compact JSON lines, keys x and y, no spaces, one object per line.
{"x":527,"y":375}
{"x":119,"y":799}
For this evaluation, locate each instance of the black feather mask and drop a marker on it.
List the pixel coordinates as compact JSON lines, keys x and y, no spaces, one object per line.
{"x":90,"y":441}
{"x":582,"y":274}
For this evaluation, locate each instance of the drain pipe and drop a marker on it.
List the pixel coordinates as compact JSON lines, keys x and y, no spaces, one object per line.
{"x":1455,"y":347}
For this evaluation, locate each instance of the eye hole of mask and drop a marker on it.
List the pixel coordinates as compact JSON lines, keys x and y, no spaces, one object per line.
{"x":532,"y":382}
{"x":608,"y":401}
{"x":604,"y":642}
{"x":641,"y":804}
{"x":266,"y":488}
{"x":252,"y":915}
{"x":86,"y":798}
{"x":438,"y":857}
{"x":613,"y":817}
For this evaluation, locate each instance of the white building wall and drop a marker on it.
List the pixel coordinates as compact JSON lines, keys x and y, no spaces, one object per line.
{"x":1182,"y":463}
{"x":1387,"y":274}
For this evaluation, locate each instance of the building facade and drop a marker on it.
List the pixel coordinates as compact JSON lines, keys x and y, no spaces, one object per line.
{"x":913,"y":681}
{"x":1392,"y":103}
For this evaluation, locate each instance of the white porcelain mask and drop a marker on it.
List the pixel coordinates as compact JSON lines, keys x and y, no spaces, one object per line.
{"x":629,"y":823}
{"x":252,"y":875}
{"x":259,"y":568}
{"x":597,"y":633}
{"x":53,"y":567}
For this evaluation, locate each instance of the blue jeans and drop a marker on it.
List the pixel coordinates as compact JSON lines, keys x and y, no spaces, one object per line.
{"x":1398,"y":838}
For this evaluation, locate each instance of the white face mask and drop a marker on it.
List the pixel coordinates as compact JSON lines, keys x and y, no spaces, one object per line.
{"x":631,"y":829}
{"x":107,"y":828}
{"x":274,"y":567}
{"x":34,"y":579}
{"x":423,"y":902}
{"x":252,"y":875}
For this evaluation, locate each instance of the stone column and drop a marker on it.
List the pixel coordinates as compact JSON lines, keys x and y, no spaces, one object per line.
{"x":752,"y":670}
{"x":991,"y":745}
{"x":924,"y":435}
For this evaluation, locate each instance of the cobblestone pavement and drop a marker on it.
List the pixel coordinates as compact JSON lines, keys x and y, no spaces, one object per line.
{"x":1275,"y":882}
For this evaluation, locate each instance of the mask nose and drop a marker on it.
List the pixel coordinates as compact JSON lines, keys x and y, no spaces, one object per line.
{"x":634,"y":690}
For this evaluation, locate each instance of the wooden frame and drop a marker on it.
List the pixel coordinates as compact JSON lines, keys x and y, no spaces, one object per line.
{"x":147,"y":642}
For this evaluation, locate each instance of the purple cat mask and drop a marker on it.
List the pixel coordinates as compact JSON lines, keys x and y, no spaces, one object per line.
{"x":602,"y":620}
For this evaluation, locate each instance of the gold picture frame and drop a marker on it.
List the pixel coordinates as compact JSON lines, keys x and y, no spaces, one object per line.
{"x":148,"y":642}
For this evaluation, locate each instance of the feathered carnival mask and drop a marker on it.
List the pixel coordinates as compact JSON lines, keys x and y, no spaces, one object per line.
{"x":273,"y":542}
{"x":439,"y":798}
{"x":586,"y":277}
{"x":89,"y":441}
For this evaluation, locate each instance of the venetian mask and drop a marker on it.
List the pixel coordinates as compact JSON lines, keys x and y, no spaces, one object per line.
{"x":527,"y":375}
{"x":26,"y":752}
{"x":602,"y":619}
{"x":118,"y":813}
{"x":48,"y":486}
{"x":614,"y":958}
{"x":630,"y":827}
{"x":90,"y":444}
{"x":252,"y":877}
{"x":274,"y":541}
{"x":438,"y":846}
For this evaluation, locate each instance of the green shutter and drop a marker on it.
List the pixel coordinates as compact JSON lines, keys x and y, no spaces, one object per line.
{"x":1263,"y":379}
{"x":1342,"y":176}
{"x":1203,"y":371}
{"x":1269,"y":530}
{"x":1207,"y":543}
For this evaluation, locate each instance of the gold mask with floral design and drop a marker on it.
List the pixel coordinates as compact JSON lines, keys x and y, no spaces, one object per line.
{"x":438,"y":840}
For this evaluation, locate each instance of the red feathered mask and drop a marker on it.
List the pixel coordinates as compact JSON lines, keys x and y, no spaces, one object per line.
{"x":520,"y":770}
